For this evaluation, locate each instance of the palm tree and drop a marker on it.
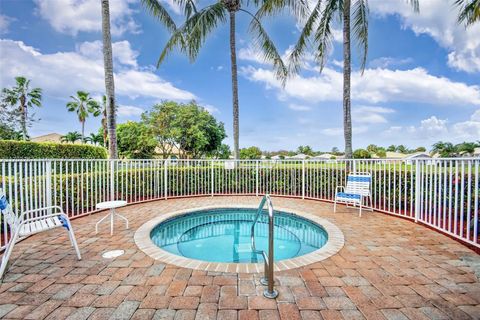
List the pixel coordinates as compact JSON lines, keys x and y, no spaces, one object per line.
{"x":25,"y":98}
{"x":96,"y":139}
{"x":199,"y":23}
{"x":469,"y":11}
{"x":71,"y":137}
{"x":444,"y":149}
{"x":318,"y":26}
{"x":83,"y":105}
{"x":109,"y":81}
{"x":104,"y":120}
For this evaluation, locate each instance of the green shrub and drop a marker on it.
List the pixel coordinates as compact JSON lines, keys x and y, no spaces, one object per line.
{"x":10,"y":149}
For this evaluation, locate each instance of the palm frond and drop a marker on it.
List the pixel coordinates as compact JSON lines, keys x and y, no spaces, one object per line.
{"x":272,"y":7}
{"x":158,"y":11}
{"x":190,"y":36}
{"x":415,"y":5}
{"x":360,"y":29}
{"x":298,"y":51}
{"x":469,"y":11}
{"x":264,"y":44}
{"x":323,"y":35}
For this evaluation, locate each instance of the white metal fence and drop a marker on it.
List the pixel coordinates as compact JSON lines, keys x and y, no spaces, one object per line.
{"x":443,"y":194}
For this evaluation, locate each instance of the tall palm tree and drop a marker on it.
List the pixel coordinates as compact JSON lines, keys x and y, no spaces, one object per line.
{"x":83,"y":105}
{"x":318,"y":25}
{"x":71,"y":137}
{"x":21,"y":97}
{"x":201,"y":22}
{"x":469,"y":11}
{"x":104,"y":120}
{"x":109,"y":81}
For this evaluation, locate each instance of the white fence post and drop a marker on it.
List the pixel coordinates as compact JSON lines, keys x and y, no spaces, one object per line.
{"x":212,"y":172}
{"x":303,"y":179}
{"x":112,"y":180}
{"x":165,"y":178}
{"x":417,"y":190}
{"x":256,"y":178}
{"x":48,"y":185}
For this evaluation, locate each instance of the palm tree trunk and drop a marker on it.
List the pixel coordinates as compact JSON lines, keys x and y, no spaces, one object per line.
{"x":109,"y":81}
{"x":233,"y":57}
{"x":83,"y":131}
{"x":347,"y":70}
{"x":23,"y":117}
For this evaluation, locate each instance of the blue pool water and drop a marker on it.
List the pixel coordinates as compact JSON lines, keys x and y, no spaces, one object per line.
{"x":223,"y":235}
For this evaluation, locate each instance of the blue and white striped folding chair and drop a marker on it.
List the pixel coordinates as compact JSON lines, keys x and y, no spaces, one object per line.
{"x":357,"y":191}
{"x":31,"y":222}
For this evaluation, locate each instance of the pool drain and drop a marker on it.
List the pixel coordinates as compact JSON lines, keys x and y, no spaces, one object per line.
{"x":113,"y":254}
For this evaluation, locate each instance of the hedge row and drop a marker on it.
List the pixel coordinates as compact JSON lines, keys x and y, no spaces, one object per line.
{"x":10,"y":149}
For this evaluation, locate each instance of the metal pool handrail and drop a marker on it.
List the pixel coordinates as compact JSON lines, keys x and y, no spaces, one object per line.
{"x":268,"y":279}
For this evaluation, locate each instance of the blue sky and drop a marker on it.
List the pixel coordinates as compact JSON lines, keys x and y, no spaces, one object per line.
{"x":421,"y":84}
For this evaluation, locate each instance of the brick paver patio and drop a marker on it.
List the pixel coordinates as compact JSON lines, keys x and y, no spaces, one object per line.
{"x":389,"y":268}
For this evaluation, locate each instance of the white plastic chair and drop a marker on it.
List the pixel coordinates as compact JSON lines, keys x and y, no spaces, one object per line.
{"x":356,"y":191}
{"x":31,"y":222}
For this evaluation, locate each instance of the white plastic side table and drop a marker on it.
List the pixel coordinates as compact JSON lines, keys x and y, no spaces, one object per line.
{"x":112,"y":205}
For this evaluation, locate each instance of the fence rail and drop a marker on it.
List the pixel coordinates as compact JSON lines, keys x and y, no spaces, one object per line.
{"x":440,"y":193}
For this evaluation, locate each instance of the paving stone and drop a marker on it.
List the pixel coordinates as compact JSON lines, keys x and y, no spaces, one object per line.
{"x":311,"y":303}
{"x":6,"y":308}
{"x":393,"y":314}
{"x":184,"y":303}
{"x":248,"y":315}
{"x":339,"y":303}
{"x":193,"y":291}
{"x":43,"y":310}
{"x":206,"y":311}
{"x":232,"y":302}
{"x":260,"y":302}
{"x":289,"y":311}
{"x":309,"y":315}
{"x":176,"y":288}
{"x":164,"y":314}
{"x":101,"y":313}
{"x":352,"y":315}
{"x":210,"y":294}
{"x":143,"y":314}
{"x":125,"y":310}
{"x":60,"y":313}
{"x":155,"y":302}
{"x":185,"y":315}
{"x":227,"y":315}
{"x":81,"y":313}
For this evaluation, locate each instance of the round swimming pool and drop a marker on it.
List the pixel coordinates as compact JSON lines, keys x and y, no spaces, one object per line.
{"x":223,"y":235}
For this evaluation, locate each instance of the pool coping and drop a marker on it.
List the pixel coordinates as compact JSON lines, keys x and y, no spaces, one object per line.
{"x":334,"y":244}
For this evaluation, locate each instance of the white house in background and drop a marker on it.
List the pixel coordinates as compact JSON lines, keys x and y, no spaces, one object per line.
{"x":324,"y":157}
{"x":300,"y":156}
{"x":51,"y":137}
{"x":395,"y":155}
{"x":277,"y":157}
{"x":417,"y":155}
{"x":476,"y":152}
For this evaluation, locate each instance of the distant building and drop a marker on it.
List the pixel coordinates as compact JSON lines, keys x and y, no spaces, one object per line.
{"x":395,"y":155}
{"x":476,"y":152}
{"x":51,"y":137}
{"x":324,"y":157}
{"x":300,"y":156}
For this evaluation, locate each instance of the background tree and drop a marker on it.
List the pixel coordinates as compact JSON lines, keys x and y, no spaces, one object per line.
{"x":466,"y":147}
{"x":401,"y":148}
{"x":201,"y":22}
{"x":318,"y":25}
{"x":135,"y":141}
{"x":161,"y":122}
{"x":96,"y":139}
{"x":361,"y":154}
{"x":83,"y":105}
{"x":469,"y":11}
{"x":444,"y":149}
{"x":223,"y":152}
{"x":71,"y":137}
{"x":305,"y":150}
{"x":392,"y":148}
{"x":196,"y":131}
{"x":420,"y":149}
{"x":21,"y":97}
{"x":335,"y":150}
{"x":250,"y":153}
{"x":109,"y":81}
{"x":9,"y":133}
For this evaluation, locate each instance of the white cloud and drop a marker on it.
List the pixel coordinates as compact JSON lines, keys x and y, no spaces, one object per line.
{"x":385,"y":62}
{"x":370,"y":114}
{"x":122,"y":52}
{"x":72,"y":16}
{"x":127,"y":111}
{"x":63,"y":73}
{"x":5,"y":23}
{"x":438,"y":19}
{"x":211,"y":109}
{"x":470,"y":129}
{"x":430,"y":129}
{"x":375,"y":86}
{"x":299,"y":107}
